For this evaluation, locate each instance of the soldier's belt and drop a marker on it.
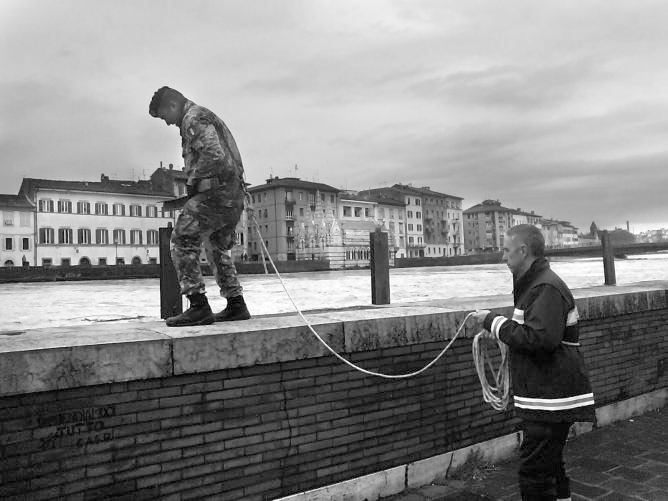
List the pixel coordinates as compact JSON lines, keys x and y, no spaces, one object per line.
{"x":208,"y":183}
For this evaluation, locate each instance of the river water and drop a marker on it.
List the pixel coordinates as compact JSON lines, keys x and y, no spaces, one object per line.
{"x":47,"y":304}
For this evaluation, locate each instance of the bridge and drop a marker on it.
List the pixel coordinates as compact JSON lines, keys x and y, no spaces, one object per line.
{"x":618,"y":249}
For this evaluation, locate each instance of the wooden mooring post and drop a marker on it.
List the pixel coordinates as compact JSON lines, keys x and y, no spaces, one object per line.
{"x":380,"y":268}
{"x":170,"y":293}
{"x":608,"y":258}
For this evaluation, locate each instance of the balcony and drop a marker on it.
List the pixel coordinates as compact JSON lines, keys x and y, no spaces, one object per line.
{"x":289,"y":202}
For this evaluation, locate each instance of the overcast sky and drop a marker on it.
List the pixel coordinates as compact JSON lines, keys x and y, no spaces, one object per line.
{"x":560,"y":107}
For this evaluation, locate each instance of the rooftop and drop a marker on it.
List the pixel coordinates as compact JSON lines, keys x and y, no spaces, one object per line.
{"x":292,"y":182}
{"x":105,"y":185}
{"x":14,"y":202}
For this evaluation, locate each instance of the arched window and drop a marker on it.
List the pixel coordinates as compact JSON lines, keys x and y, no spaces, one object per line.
{"x":136,"y":260}
{"x":84,"y":261}
{"x":9,"y":262}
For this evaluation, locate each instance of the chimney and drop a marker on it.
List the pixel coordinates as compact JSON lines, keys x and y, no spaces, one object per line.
{"x":171,"y":166}
{"x":161,"y":164}
{"x":628,"y":228}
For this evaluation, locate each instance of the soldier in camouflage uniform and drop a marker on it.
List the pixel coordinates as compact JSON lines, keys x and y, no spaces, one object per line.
{"x":216,"y":189}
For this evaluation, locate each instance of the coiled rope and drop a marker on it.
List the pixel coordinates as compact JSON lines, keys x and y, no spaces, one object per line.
{"x":497,"y":396}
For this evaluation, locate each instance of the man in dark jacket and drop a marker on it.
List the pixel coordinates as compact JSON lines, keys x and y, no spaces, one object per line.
{"x":216,"y":189}
{"x":551,"y":388}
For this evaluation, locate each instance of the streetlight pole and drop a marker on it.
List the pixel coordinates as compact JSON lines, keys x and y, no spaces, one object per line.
{"x":116,"y":244}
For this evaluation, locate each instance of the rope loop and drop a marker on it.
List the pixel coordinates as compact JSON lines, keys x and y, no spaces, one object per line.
{"x":497,"y":395}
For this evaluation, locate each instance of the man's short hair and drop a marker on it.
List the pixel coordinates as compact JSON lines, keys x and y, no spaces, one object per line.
{"x":531,"y":236}
{"x":163,"y":95}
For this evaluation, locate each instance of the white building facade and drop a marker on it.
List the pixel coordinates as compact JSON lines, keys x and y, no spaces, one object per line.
{"x":17,"y":245}
{"x":95,"y":223}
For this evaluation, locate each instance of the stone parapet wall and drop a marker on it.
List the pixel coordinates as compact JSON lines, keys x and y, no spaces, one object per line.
{"x":260,"y":410}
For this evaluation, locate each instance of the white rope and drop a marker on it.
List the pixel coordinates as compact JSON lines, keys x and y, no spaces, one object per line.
{"x":498,"y":395}
{"x":332,"y":351}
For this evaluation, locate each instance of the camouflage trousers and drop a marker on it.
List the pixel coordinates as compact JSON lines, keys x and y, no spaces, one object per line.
{"x":211,"y":221}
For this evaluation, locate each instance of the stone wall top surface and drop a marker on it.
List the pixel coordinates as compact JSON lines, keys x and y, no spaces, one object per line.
{"x":64,"y":357}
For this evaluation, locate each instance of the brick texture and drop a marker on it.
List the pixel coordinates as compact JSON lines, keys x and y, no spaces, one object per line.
{"x":268,"y":431}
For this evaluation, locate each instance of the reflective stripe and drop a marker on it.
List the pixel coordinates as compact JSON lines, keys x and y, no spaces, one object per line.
{"x":497,"y":323}
{"x":518,"y":316}
{"x":573,"y":317}
{"x":554,"y":404}
{"x":568,"y":343}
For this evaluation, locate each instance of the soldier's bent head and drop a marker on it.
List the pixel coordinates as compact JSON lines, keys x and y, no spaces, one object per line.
{"x":163,"y":96}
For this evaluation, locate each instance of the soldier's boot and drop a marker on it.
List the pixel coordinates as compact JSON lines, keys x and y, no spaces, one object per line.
{"x":235,"y":310}
{"x":199,"y":313}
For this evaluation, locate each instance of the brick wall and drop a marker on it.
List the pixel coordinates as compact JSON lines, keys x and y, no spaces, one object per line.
{"x":266,"y":431}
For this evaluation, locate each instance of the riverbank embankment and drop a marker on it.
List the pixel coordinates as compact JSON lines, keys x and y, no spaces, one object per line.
{"x":259,"y":409}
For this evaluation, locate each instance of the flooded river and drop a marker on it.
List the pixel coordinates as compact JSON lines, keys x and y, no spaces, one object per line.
{"x":34,"y":305}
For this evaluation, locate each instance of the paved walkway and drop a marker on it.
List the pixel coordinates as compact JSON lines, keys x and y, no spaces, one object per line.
{"x":624,"y":461}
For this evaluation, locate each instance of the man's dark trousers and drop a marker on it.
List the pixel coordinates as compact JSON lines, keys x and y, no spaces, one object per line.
{"x":542,"y":474}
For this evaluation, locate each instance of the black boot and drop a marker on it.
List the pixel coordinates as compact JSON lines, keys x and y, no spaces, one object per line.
{"x":235,"y":310}
{"x":199,"y":313}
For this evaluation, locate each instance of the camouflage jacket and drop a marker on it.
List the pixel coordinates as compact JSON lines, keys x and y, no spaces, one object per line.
{"x":210,"y":152}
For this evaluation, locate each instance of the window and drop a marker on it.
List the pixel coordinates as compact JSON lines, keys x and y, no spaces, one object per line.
{"x":47,"y":261}
{"x":25,"y":243}
{"x":8,"y":243}
{"x":366,"y":212}
{"x":265,"y":213}
{"x":101,"y":209}
{"x":331,"y":198}
{"x":120,"y":260}
{"x":410,"y":227}
{"x":8,"y":218}
{"x":418,"y":215}
{"x":83,"y":207}
{"x":119,"y":237}
{"x":25,"y":218}
{"x":166,"y":213}
{"x":119,"y":210}
{"x":358,"y":211}
{"x":152,"y":260}
{"x":301,"y":195}
{"x":301,"y":211}
{"x":409,"y":213}
{"x":65,"y":261}
{"x":136,"y":260}
{"x":419,"y":240}
{"x":322,"y":197}
{"x":46,"y":236}
{"x":410,"y":240}
{"x":135,"y":210}
{"x":253,"y":197}
{"x":46,"y":205}
{"x":65,"y":236}
{"x":102,"y":261}
{"x":64,"y":206}
{"x":347,"y":211}
{"x":381,"y":212}
{"x":417,"y":201}
{"x":101,"y":236}
{"x":135,"y":237}
{"x":152,"y":237}
{"x":151,"y":211}
{"x":83,"y":236}
{"x":419,"y":227}
{"x":9,"y":262}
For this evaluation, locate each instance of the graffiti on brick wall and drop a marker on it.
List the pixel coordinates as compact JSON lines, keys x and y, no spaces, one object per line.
{"x":77,"y":427}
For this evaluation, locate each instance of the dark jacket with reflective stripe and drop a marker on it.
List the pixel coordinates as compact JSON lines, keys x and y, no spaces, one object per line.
{"x":549,"y":379}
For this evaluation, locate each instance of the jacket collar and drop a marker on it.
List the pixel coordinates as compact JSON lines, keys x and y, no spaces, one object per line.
{"x":521,"y":283}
